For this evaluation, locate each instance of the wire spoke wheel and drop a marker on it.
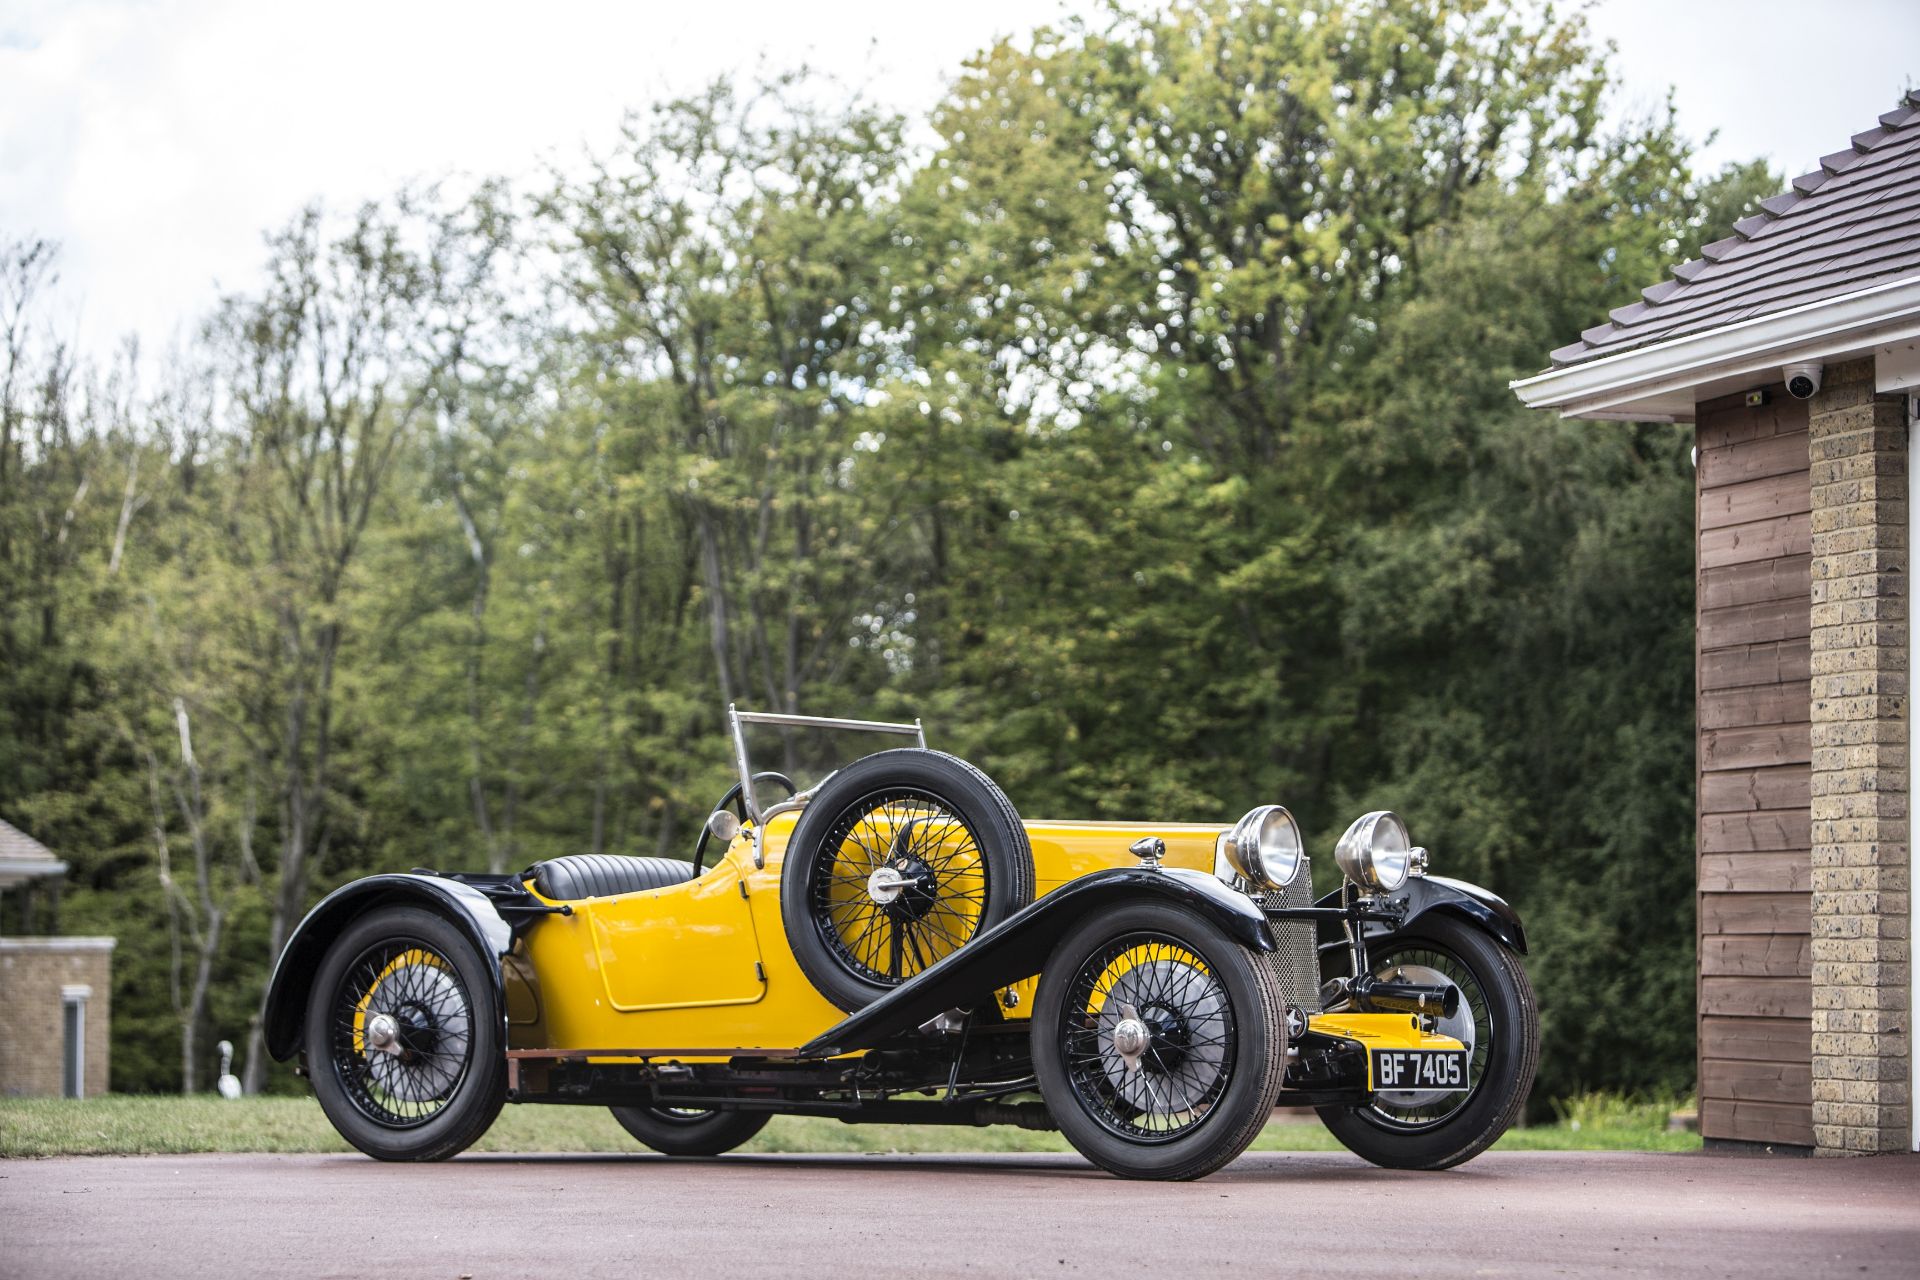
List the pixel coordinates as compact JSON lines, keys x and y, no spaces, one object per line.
{"x":1149,"y":1037}
{"x":401,"y":1032}
{"x":900,"y":859}
{"x":1499,"y":1023}
{"x":1159,"y":1037}
{"x":899,"y":884}
{"x":404,"y":1037}
{"x":1473,"y":1025}
{"x":675,"y":1130}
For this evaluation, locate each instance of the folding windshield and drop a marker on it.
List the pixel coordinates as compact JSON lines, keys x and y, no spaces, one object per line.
{"x":802,"y":751}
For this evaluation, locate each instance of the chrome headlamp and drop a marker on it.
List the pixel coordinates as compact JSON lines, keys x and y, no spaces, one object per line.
{"x":1376,"y":852}
{"x":1264,"y":848}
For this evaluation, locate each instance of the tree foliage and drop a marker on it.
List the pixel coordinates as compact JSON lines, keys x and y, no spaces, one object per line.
{"x":1146,"y":430}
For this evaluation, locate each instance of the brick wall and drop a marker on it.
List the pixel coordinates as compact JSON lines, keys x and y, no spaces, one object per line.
{"x":33,"y":974}
{"x":1857,"y":443}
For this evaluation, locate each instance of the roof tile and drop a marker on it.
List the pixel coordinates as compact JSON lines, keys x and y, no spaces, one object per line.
{"x":1850,"y":225}
{"x":1841,"y":161}
{"x":17,"y":846}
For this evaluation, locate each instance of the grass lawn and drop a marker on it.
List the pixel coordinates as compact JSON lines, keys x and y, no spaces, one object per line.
{"x":154,"y":1125}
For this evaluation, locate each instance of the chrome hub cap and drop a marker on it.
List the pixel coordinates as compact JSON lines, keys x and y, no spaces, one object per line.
{"x":383,"y":1034}
{"x":886,"y":884}
{"x":417,"y":1045}
{"x":1168,"y":1029}
{"x":1131,"y":1037}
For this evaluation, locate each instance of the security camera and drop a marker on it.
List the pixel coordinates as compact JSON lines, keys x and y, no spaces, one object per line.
{"x":1803,"y":380}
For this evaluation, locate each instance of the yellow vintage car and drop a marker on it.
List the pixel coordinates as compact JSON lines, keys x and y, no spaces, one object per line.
{"x":895,"y":944}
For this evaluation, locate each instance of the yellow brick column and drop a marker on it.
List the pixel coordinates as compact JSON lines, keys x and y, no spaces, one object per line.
{"x":1861,"y":1002}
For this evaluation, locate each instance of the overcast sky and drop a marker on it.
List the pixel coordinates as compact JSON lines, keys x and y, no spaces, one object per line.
{"x":157,"y":138}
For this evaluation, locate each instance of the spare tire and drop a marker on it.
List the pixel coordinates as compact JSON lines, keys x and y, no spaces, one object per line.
{"x":901,"y":859}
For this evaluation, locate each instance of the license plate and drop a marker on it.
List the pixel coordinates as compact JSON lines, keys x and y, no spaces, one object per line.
{"x":1424,"y":1069}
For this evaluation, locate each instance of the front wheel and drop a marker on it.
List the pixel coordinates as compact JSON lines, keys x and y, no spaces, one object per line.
{"x":1159,"y":1042}
{"x":690,"y":1131}
{"x":404,"y":1037}
{"x":1499,"y":1023}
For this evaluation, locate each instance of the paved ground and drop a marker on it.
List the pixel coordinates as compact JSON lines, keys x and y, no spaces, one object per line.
{"x":512,"y":1216}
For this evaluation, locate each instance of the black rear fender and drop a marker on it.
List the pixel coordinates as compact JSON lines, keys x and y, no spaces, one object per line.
{"x":1015,"y":950}
{"x":466,"y":907}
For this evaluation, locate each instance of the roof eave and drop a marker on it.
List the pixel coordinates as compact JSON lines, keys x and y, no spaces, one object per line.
{"x":1658,"y":382}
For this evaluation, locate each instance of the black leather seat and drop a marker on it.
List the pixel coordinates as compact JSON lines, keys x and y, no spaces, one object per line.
{"x":602,"y":875}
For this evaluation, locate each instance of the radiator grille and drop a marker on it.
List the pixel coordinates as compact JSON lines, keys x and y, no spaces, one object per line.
{"x":1297,"y":961}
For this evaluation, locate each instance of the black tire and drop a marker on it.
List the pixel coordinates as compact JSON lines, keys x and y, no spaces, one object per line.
{"x":1226,"y":1036}
{"x":675,"y":1131}
{"x":437,"y":1096}
{"x":1498,"y":1004}
{"x":953,"y":831}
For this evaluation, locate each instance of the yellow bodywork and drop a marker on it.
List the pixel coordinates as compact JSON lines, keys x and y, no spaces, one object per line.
{"x":706,"y":966}
{"x":702,"y":971}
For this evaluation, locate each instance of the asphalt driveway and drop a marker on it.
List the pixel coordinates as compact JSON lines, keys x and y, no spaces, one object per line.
{"x":1522,"y":1214}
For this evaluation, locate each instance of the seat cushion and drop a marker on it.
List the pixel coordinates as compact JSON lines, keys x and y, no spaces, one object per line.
{"x":602,"y":875}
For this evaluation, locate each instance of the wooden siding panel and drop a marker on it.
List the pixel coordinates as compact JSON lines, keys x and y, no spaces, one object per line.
{"x":1757,"y":872}
{"x":1756,"y":998}
{"x":1788,"y":578}
{"x":1758,"y":1039}
{"x":1740,"y":461}
{"x":1755,"y":913}
{"x":1772,"y":955}
{"x":1768,"y":1122}
{"x":1754,"y":705}
{"x":1786,"y":1082}
{"x":1729,"y":421}
{"x":1767,"y":831}
{"x":1762,"y":540}
{"x":1753,"y":861}
{"x":1786,"y":662}
{"x":1743,"y":624}
{"x":1787,"y":786}
{"x":1755,"y":748}
{"x":1765,"y":499}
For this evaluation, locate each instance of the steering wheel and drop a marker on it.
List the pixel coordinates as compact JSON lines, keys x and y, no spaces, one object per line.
{"x":734,"y":798}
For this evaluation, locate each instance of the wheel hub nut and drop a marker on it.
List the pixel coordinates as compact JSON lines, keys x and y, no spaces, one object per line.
{"x":1131,"y":1037}
{"x":383,"y":1033}
{"x":885,"y":884}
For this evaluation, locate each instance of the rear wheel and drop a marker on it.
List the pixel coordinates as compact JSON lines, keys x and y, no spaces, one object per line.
{"x":901,"y":859}
{"x":404,"y":1037}
{"x":690,"y":1131}
{"x":1498,"y":1021}
{"x":1159,"y":1042}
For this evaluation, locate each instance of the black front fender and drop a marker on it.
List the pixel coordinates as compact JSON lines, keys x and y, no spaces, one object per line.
{"x":1014,"y":950}
{"x":292,"y":979}
{"x":1421,"y":894}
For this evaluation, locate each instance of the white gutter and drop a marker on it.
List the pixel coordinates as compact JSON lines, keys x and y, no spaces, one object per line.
{"x":21,"y":869}
{"x":1815,"y":330}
